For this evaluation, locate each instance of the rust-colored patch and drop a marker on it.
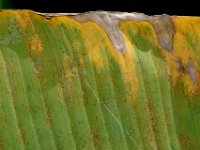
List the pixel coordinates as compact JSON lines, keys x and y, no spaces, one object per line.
{"x":35,"y":45}
{"x":68,"y":73}
{"x":1,"y":143}
{"x":48,"y":121}
{"x":150,"y":129}
{"x":71,"y":73}
{"x":22,"y":133}
{"x":152,"y":115}
{"x":97,"y":142}
{"x":186,"y":142}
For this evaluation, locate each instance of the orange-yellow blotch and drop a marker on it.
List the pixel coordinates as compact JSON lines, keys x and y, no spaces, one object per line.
{"x":23,"y":19}
{"x":35,"y":45}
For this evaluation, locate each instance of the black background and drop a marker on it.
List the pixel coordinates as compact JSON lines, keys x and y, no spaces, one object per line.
{"x":149,"y":7}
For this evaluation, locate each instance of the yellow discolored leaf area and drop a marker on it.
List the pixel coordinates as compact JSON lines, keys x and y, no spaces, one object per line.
{"x":185,"y":54}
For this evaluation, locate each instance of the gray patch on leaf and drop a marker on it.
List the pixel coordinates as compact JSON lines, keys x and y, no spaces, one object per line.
{"x":191,"y":71}
{"x":165,"y":29}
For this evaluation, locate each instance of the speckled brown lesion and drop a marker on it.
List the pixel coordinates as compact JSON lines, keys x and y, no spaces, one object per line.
{"x":181,"y":68}
{"x":188,"y":69}
{"x":189,"y":73}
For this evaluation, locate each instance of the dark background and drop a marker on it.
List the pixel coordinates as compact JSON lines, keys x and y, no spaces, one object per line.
{"x":150,"y":7}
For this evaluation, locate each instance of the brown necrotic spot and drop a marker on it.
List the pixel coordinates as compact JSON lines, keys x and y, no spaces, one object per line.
{"x":180,"y":66}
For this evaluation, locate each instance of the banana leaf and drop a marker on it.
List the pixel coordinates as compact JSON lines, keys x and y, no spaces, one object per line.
{"x":99,"y":80}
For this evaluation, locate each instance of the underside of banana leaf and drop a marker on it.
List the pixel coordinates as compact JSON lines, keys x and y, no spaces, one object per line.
{"x":99,"y":81}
